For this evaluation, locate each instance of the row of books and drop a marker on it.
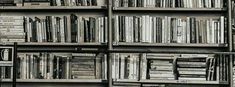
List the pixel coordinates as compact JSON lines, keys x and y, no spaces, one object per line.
{"x":71,"y":29}
{"x":74,"y":28}
{"x":170,"y":3}
{"x":48,"y":3}
{"x":61,"y":66}
{"x":223,"y":67}
{"x":197,"y":67}
{"x":169,"y":29}
{"x":7,"y":2}
{"x":73,"y":2}
{"x":12,"y":29}
{"x":125,"y":66}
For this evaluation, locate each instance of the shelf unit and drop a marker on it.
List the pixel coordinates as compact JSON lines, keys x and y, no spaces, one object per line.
{"x":111,"y":47}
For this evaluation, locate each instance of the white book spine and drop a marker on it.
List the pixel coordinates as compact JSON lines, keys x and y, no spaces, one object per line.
{"x":102,"y":29}
{"x":68,"y":67}
{"x":212,"y":31}
{"x":143,"y":29}
{"x":27,"y":29}
{"x":50,"y":76}
{"x":144,"y":66}
{"x":40,"y":31}
{"x":131,"y":30}
{"x":41,"y":65}
{"x":43,"y":31}
{"x":116,"y":28}
{"x":131,"y":68}
{"x":173,"y":3}
{"x":208,"y":31}
{"x":122,"y":68}
{"x":113,"y":66}
{"x":79,"y":30}
{"x":134,"y":67}
{"x":126,"y":28}
{"x":169,"y":30}
{"x":117,"y":66}
{"x":209,"y":3}
{"x":31,"y":76}
{"x":206,"y":3}
{"x":58,"y":2}
{"x":221,"y":3}
{"x":163,"y":30}
{"x":154,"y":33}
{"x":24,"y":73}
{"x":164,"y":4}
{"x":45,"y":65}
{"x":200,"y":3}
{"x":27,"y":67}
{"x":222,"y":29}
{"x":53,"y":28}
{"x":62,"y":30}
{"x":105,"y":66}
{"x":188,"y":29}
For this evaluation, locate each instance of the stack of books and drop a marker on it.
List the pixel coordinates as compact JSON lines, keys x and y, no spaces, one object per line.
{"x":193,"y":67}
{"x":12,"y":29}
{"x":161,"y":69}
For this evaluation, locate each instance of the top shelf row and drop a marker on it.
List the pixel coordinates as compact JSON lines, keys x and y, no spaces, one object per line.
{"x":9,"y":8}
{"x":138,"y":5}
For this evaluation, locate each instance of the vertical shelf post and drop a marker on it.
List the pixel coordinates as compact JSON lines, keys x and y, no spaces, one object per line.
{"x":230,"y":41}
{"x":14,"y":65}
{"x":110,"y":43}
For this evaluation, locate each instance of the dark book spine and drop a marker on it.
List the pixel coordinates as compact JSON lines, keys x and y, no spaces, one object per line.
{"x":94,"y":2}
{"x":74,"y":28}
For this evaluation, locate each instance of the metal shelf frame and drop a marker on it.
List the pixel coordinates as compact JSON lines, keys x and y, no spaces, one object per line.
{"x":111,"y":47}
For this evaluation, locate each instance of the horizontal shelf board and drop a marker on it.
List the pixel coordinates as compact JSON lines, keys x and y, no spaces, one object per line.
{"x":171,"y":81}
{"x":170,"y":44}
{"x":6,"y":63}
{"x":168,"y":50}
{"x":6,"y":80}
{"x":55,"y":44}
{"x":166,"y":9}
{"x":62,"y":44}
{"x":62,"y":80}
{"x":53,"y":8}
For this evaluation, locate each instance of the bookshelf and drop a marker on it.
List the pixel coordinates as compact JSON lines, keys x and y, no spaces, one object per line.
{"x":111,"y":47}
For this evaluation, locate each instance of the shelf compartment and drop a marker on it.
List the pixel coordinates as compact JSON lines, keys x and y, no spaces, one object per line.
{"x":169,"y":9}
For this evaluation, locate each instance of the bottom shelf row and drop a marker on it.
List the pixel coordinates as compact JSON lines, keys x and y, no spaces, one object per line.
{"x":126,"y":67}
